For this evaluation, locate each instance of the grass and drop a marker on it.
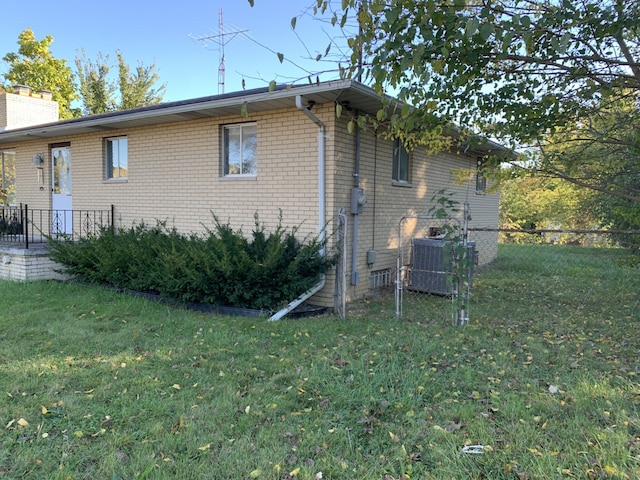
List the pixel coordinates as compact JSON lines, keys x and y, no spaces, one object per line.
{"x":97,"y":384}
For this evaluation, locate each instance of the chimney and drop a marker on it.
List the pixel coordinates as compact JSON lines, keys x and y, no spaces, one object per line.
{"x":24,"y":108}
{"x":22,"y":90}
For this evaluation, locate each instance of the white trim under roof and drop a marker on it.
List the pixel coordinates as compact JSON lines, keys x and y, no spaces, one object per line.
{"x":357,"y":95}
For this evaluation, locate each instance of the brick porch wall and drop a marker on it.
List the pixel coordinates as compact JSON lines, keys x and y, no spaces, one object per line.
{"x":33,"y":264}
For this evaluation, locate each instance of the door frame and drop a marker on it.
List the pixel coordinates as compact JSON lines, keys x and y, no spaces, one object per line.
{"x":61,"y":203}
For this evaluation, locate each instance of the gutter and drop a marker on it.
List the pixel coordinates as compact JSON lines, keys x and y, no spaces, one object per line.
{"x":321,"y":207}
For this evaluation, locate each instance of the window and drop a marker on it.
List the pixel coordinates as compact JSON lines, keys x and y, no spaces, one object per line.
{"x":481,"y":180}
{"x":240,"y":142}
{"x":8,"y":180}
{"x":400,"y":162}
{"x":117,"y":158}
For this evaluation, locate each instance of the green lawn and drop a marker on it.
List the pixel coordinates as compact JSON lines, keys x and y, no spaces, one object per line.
{"x":100,"y":385}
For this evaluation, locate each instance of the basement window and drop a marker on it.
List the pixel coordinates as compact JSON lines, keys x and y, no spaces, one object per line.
{"x":380,"y":279}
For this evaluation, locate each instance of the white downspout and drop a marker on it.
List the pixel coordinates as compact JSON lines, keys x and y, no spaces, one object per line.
{"x":321,"y":208}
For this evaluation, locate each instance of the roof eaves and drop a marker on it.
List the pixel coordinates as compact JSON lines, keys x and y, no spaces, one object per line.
{"x":185,"y":107}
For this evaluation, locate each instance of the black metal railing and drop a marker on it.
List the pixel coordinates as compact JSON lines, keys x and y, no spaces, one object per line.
{"x":24,"y":225}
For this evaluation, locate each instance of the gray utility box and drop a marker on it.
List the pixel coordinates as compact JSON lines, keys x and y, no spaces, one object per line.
{"x":430,"y":267}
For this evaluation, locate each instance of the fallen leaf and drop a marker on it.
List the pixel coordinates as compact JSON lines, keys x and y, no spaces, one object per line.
{"x":176,"y":386}
{"x":255,"y":473}
{"x":23,"y":423}
{"x":205,"y":447}
{"x":394,"y":437}
{"x":294,"y":472}
{"x":43,"y":409}
{"x":553,"y":389}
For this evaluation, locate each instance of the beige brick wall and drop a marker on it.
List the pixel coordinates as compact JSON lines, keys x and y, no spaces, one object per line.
{"x":175,"y":175}
{"x":388,"y":203}
{"x":23,"y":111}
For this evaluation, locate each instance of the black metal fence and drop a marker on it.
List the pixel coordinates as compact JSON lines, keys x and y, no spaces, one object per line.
{"x":26,"y":226}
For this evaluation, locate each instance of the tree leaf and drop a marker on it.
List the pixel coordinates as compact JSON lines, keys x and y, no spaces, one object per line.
{"x":294,"y":20}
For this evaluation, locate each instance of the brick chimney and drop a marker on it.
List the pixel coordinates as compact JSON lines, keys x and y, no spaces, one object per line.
{"x":25,"y":108}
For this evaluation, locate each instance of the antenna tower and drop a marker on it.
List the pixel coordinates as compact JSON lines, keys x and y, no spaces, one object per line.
{"x":221,"y":39}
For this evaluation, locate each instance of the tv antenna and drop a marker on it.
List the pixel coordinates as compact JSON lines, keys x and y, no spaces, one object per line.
{"x":221,"y":39}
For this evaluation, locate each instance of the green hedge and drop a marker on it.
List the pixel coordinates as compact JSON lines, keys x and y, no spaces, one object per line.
{"x":221,"y":267}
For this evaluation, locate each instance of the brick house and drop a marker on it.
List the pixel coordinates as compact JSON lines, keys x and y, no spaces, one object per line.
{"x":282,"y":152}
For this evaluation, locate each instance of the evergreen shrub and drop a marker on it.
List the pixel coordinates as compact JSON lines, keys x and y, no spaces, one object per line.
{"x":221,"y":267}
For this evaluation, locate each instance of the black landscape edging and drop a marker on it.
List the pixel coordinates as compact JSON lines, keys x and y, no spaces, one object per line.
{"x":201,"y":307}
{"x":301,"y":311}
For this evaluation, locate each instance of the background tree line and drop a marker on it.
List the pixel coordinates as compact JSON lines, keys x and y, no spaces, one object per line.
{"x":92,"y":84}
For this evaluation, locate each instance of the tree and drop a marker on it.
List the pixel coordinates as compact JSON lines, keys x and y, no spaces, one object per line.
{"x":100,"y":93}
{"x":96,"y":90}
{"x":533,"y":202}
{"x":137,"y":89}
{"x":529,"y":72}
{"x":35,"y":66}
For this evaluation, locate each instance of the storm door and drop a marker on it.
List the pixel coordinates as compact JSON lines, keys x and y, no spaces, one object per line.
{"x":62,"y":218}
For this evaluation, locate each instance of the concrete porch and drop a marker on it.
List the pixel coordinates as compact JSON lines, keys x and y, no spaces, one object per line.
{"x":22,"y":264}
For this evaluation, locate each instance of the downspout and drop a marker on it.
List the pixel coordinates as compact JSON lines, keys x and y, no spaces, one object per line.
{"x":321,"y":208}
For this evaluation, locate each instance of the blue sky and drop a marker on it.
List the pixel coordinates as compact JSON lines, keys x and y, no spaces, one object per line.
{"x":166,"y":33}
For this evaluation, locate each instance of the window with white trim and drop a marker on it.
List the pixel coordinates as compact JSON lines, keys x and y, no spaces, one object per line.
{"x":116,"y":158}
{"x":401,"y":162}
{"x":240,"y":142}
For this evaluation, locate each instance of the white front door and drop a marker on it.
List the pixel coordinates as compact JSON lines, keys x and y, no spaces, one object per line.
{"x":62,"y":218}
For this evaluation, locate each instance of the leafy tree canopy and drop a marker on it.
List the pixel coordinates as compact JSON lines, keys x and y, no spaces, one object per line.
{"x":101,"y":93}
{"x":35,"y":66}
{"x":516,"y":69}
{"x":558,"y":79}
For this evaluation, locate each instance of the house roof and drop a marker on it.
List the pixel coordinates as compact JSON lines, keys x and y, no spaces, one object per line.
{"x":347,"y":92}
{"x":357,"y":95}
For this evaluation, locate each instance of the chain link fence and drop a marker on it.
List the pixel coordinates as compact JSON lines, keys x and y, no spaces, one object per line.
{"x":428,"y":283}
{"x":435,"y":257}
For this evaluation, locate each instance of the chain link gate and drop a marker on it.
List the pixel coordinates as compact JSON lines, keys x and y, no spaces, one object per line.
{"x":435,"y":258}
